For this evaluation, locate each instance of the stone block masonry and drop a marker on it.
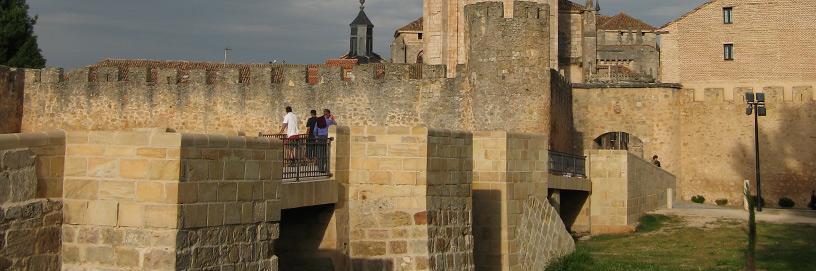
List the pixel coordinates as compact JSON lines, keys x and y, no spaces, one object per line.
{"x":704,"y":137}
{"x":30,"y":171}
{"x":625,"y":187}
{"x":150,"y":200}
{"x":30,"y":235}
{"x":514,"y":225}
{"x":407,"y":198}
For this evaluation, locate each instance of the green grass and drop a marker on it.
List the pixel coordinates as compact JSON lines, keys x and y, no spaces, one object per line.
{"x":665,"y":243}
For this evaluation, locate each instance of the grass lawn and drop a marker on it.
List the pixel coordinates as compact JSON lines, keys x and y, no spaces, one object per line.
{"x":670,"y":243}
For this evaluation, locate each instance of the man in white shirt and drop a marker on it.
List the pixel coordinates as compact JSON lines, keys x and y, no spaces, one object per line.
{"x":290,"y":124}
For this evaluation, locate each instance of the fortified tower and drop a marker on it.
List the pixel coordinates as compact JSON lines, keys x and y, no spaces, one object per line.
{"x":508,"y":70}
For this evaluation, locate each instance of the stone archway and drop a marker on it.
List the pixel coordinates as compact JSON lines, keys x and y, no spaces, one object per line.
{"x":619,"y":141}
{"x":419,"y":57}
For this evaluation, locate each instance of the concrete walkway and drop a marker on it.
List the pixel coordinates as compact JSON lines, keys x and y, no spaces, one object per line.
{"x":780,"y":216}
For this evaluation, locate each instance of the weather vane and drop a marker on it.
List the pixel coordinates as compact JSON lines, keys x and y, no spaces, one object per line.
{"x":362,"y":3}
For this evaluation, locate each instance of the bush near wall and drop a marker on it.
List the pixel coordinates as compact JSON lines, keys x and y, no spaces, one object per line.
{"x":698,"y":199}
{"x":786,"y":202}
{"x":721,"y":202}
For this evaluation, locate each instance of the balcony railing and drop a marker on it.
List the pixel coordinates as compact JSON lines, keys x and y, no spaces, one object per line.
{"x":565,"y":164}
{"x":305,"y":157}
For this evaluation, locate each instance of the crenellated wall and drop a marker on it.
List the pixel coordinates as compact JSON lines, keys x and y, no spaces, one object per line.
{"x":704,"y":137}
{"x":249,"y":100}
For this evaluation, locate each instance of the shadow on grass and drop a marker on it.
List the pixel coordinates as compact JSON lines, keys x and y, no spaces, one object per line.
{"x":650,"y":223}
{"x":667,"y":243}
{"x":786,"y":247}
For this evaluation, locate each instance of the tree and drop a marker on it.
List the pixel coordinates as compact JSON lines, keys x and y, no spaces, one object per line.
{"x":18,"y":44}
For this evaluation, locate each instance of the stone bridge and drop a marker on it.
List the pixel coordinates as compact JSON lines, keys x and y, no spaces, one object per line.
{"x":400,"y":198}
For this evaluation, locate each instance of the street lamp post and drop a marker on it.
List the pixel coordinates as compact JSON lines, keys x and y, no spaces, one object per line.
{"x":756,"y":107}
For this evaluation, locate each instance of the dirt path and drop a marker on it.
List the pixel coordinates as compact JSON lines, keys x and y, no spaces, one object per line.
{"x":701,"y":215}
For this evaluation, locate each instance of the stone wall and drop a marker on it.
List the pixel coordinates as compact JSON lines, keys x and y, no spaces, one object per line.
{"x":514,"y":225}
{"x":625,"y":187}
{"x":30,"y":235}
{"x":11,"y":100}
{"x":229,"y":202}
{"x":30,"y":173}
{"x":109,"y":98}
{"x":508,"y":65}
{"x":150,"y":200}
{"x":449,"y":179}
{"x":407,"y":198}
{"x":707,"y":140}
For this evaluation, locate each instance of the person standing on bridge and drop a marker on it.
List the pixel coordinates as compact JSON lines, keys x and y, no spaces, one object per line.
{"x":322,"y":131}
{"x":290,"y":127}
{"x":655,"y":161}
{"x":311,"y":131}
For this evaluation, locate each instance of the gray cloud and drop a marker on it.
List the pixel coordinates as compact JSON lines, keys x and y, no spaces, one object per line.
{"x":81,"y":32}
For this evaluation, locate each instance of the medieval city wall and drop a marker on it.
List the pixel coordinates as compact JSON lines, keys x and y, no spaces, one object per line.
{"x":707,"y":140}
{"x":229,"y":101}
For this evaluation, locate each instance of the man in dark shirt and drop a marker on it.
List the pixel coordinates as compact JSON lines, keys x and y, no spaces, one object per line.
{"x":311,"y":126}
{"x":311,"y":123}
{"x":655,"y":161}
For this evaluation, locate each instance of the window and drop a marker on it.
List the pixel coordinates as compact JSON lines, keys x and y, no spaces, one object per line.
{"x":728,"y":51}
{"x":727,"y":19}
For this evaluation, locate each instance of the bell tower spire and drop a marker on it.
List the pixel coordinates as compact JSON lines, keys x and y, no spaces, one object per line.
{"x":361,"y":44}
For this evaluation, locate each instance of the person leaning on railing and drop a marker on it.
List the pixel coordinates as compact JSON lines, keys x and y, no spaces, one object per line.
{"x":322,"y":133}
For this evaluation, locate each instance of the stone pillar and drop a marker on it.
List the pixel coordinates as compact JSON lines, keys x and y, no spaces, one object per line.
{"x":515,"y":227}
{"x":150,"y":200}
{"x":589,"y":41}
{"x":407,"y":200}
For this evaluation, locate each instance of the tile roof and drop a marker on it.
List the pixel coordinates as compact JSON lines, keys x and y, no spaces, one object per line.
{"x":623,"y":21}
{"x":415,"y":26}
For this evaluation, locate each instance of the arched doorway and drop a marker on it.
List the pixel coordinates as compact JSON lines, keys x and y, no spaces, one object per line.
{"x":419,"y":57}
{"x":619,"y":141}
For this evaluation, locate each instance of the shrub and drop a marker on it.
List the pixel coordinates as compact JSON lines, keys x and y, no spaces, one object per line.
{"x":786,"y":202}
{"x":698,"y":199}
{"x":761,"y":200}
{"x":721,"y":202}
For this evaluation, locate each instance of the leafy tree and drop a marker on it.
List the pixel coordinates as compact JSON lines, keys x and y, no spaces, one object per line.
{"x":18,"y":44}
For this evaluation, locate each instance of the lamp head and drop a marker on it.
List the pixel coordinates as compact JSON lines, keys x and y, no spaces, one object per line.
{"x":749,"y":97}
{"x":762,"y":111}
{"x":760,"y":97}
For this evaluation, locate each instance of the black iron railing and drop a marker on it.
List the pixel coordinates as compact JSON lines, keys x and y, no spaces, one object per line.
{"x":566,"y":164}
{"x":305,"y":157}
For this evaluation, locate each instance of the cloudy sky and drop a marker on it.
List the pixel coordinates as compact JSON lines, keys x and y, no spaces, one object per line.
{"x":75,"y":33}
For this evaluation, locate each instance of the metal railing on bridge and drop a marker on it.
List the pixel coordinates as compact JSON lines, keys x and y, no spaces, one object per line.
{"x":305,"y":157}
{"x":566,"y":164}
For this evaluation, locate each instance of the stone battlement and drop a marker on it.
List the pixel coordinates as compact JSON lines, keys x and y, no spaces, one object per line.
{"x":244,"y":74}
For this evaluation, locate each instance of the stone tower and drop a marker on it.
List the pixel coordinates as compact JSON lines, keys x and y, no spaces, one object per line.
{"x":508,"y":64}
{"x":362,"y":38}
{"x":590,"y":38}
